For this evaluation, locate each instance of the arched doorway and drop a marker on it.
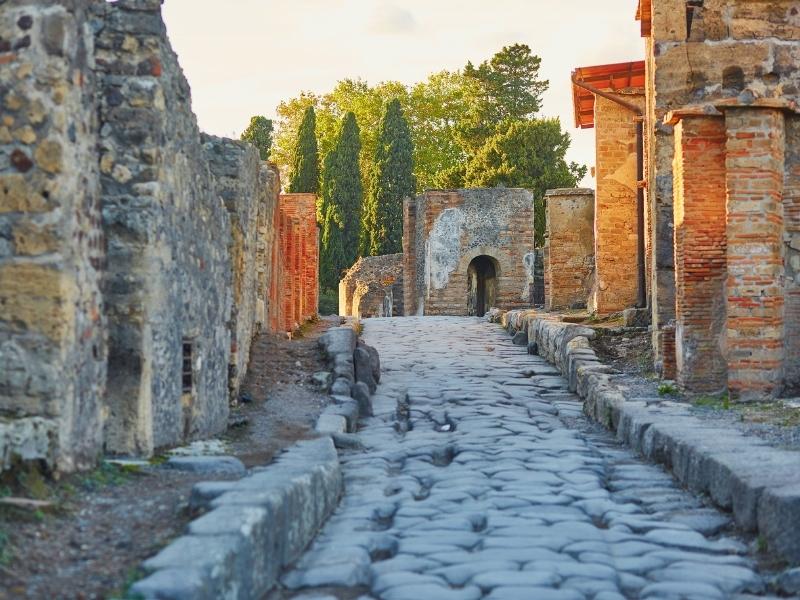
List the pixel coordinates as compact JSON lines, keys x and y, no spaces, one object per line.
{"x":481,"y":285}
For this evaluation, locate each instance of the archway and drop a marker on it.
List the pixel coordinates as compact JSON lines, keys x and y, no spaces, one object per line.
{"x":481,"y":285}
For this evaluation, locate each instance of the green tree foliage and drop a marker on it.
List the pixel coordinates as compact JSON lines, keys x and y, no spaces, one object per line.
{"x":305,"y":166}
{"x":342,"y":197}
{"x":259,"y":133}
{"x":392,"y":180}
{"x":528,"y":154}
{"x":501,"y":90}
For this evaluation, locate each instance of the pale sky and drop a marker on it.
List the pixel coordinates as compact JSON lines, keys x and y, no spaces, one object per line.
{"x":242,"y":57}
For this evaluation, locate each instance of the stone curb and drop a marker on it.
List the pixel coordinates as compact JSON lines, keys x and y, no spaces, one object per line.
{"x":759,"y":484}
{"x":255,"y":526}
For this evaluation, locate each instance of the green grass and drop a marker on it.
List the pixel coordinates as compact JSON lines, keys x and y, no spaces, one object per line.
{"x":721,"y":401}
{"x":328,"y":303}
{"x":6,"y":553}
{"x":107,"y":474}
{"x":124,"y":591}
{"x":667,"y":389}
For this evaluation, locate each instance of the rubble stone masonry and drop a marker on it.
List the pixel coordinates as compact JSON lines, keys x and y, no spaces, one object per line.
{"x":373,"y":287}
{"x":569,"y":248}
{"x":137,"y":257}
{"x":52,"y":341}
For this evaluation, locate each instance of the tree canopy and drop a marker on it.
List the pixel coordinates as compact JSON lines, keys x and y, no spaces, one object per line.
{"x":305,"y":166}
{"x":340,"y":206}
{"x":392,"y":180}
{"x":259,"y":133}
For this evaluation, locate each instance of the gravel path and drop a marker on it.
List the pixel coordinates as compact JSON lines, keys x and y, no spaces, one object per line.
{"x":481,"y":479}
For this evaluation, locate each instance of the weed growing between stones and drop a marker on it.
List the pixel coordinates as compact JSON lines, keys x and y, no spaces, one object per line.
{"x":721,"y":401}
{"x":328,"y":302}
{"x":667,"y":389}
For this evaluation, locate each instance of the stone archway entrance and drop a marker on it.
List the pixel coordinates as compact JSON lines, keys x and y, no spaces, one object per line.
{"x":481,"y":285}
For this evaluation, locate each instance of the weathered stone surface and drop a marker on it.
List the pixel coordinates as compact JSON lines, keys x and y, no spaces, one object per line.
{"x":361,"y":393}
{"x":446,"y":232}
{"x":373,"y":287}
{"x":363,"y":368}
{"x":229,"y":465}
{"x":259,"y":525}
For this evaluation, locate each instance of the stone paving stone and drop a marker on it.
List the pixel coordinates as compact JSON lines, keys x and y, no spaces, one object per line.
{"x":520,"y":496}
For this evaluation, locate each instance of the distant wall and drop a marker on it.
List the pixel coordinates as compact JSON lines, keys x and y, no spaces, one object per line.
{"x":446,"y":229}
{"x":373,"y":287}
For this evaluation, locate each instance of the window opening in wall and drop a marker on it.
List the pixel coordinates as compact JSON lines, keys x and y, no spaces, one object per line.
{"x":187,"y":372}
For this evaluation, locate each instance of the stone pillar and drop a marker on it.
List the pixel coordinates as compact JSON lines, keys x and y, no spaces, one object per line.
{"x":615,"y":213}
{"x":791,"y":215}
{"x":755,"y":288}
{"x":700,"y":256}
{"x":409,"y":257}
{"x":570,"y":247}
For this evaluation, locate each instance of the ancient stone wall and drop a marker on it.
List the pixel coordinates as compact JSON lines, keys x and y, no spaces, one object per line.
{"x":247,"y":188}
{"x":570,"y":245}
{"x":169,"y":344}
{"x":735,"y":61}
{"x":616,"y":236}
{"x":52,"y":330}
{"x":373,"y":287}
{"x":453,"y":228}
{"x":132,"y":277}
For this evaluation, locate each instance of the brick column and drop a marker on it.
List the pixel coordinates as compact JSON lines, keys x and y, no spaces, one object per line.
{"x":791,"y":213}
{"x":755,"y":288}
{"x":409,"y":257}
{"x":700,"y":254}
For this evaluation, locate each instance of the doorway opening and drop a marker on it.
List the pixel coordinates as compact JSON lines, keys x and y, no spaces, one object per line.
{"x":482,"y":285}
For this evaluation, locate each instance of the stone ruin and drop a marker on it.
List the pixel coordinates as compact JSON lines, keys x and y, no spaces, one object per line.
{"x":373,"y":287}
{"x":697,"y":212}
{"x":466,"y":251}
{"x":138,"y":257}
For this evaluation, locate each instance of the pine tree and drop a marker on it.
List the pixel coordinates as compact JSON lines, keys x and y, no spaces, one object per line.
{"x":305,"y":164}
{"x":259,"y":133}
{"x":392,"y":181}
{"x":342,"y":196}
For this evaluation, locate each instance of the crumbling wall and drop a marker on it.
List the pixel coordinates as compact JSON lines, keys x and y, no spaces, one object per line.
{"x":373,"y":287}
{"x":168,"y":281}
{"x":52,"y":342}
{"x":453,"y":227}
{"x":569,"y":256}
{"x":269,"y":188}
{"x":243,"y":182}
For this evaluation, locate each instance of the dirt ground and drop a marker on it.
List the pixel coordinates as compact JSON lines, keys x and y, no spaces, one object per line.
{"x":103,"y":524}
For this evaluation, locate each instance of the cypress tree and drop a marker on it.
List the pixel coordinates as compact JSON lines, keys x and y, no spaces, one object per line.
{"x":342,"y":196}
{"x":305,"y":164}
{"x":392,"y":181}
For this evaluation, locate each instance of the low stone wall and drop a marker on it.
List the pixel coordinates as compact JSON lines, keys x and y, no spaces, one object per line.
{"x":759,"y":484}
{"x":255,"y":526}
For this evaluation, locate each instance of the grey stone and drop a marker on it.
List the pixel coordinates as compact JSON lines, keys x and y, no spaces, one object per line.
{"x":520,"y":339}
{"x":347,"y":441}
{"x":338,"y":340}
{"x":363,"y":368}
{"x":183,"y":583}
{"x":779,"y":521}
{"x":341,"y":387}
{"x":360,"y":392}
{"x":789,"y":581}
{"x":228,"y":465}
{"x":322,"y":380}
{"x":349,"y":409}
{"x":205,"y":492}
{"x":419,"y":591}
{"x":374,"y":362}
{"x":636,"y":317}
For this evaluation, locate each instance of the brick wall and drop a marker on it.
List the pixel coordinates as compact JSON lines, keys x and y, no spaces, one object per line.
{"x":570,"y":244}
{"x":296,"y":291}
{"x":755,"y":288}
{"x":454,"y":227}
{"x":791,"y":216}
{"x":410,"y":286}
{"x":616,"y":236}
{"x":700,"y":253}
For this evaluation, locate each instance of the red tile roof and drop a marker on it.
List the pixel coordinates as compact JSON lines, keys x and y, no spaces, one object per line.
{"x":607,"y":78}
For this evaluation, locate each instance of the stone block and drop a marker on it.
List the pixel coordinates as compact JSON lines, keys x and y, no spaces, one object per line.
{"x":228,"y":465}
{"x":360,"y":392}
{"x":363,"y":368}
{"x":331,"y":423}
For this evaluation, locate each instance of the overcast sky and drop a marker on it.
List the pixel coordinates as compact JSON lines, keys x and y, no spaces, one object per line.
{"x":242,"y":57}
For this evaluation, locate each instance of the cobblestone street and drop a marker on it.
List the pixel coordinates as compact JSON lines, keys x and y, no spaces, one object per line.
{"x":483,"y":480}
